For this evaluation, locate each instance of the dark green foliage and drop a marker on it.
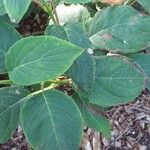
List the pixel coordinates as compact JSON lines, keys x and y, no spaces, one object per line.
{"x":99,"y":60}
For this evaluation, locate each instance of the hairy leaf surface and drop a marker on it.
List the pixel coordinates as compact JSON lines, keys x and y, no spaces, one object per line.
{"x":36,"y":59}
{"x":74,"y":32}
{"x":2,"y":8}
{"x":8,"y":36}
{"x":91,"y":118}
{"x":82,"y":71}
{"x":10,"y":105}
{"x":116,"y":81}
{"x":143,"y":61}
{"x":120,"y":29}
{"x":57,"y":122}
{"x":16,"y":8}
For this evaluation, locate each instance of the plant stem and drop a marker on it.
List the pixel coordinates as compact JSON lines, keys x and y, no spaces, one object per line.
{"x":130,"y":2}
{"x":46,"y":8}
{"x":50,"y":13}
{"x":55,"y":12}
{"x":38,"y":3}
{"x":54,"y":85}
{"x":5,"y":82}
{"x":61,"y":82}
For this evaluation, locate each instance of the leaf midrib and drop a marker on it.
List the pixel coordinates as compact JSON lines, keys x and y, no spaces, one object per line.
{"x":51,"y":118}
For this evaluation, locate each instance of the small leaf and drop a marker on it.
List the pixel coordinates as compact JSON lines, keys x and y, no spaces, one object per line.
{"x":10,"y":105}
{"x":74,"y":32}
{"x":8,"y":36}
{"x":113,"y":29}
{"x":35,"y":59}
{"x":2,"y":9}
{"x":93,"y":119}
{"x":57,"y":122}
{"x":16,"y":8}
{"x":145,"y":4}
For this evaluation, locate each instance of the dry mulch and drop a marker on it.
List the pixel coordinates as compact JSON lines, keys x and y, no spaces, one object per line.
{"x":130,"y":128}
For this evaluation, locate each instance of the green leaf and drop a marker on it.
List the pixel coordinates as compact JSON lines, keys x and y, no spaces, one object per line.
{"x":2,"y":9}
{"x":10,"y":105}
{"x":143,"y":61}
{"x":16,"y":8}
{"x":5,"y":18}
{"x":41,"y":58}
{"x":82,"y":71}
{"x":148,"y":85}
{"x":74,"y":32}
{"x":56,"y":30}
{"x":92,"y":119}
{"x":76,"y":1}
{"x":145,"y":4}
{"x":8,"y":36}
{"x":116,"y":81}
{"x":57,"y":122}
{"x":113,"y":29}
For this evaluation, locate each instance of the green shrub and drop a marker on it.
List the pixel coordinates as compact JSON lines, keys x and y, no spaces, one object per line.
{"x":101,"y":58}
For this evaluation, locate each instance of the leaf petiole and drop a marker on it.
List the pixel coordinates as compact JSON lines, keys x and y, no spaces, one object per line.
{"x":5,"y":82}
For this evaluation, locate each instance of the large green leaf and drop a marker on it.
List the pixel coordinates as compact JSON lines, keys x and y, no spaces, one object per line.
{"x":74,"y":32}
{"x":145,"y":4}
{"x":116,"y":81}
{"x":92,"y":119}
{"x":10,"y":105}
{"x":35,"y":59}
{"x":8,"y":36}
{"x":52,"y":121}
{"x":76,"y":1}
{"x":16,"y":8}
{"x":113,"y":29}
{"x":2,"y":8}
